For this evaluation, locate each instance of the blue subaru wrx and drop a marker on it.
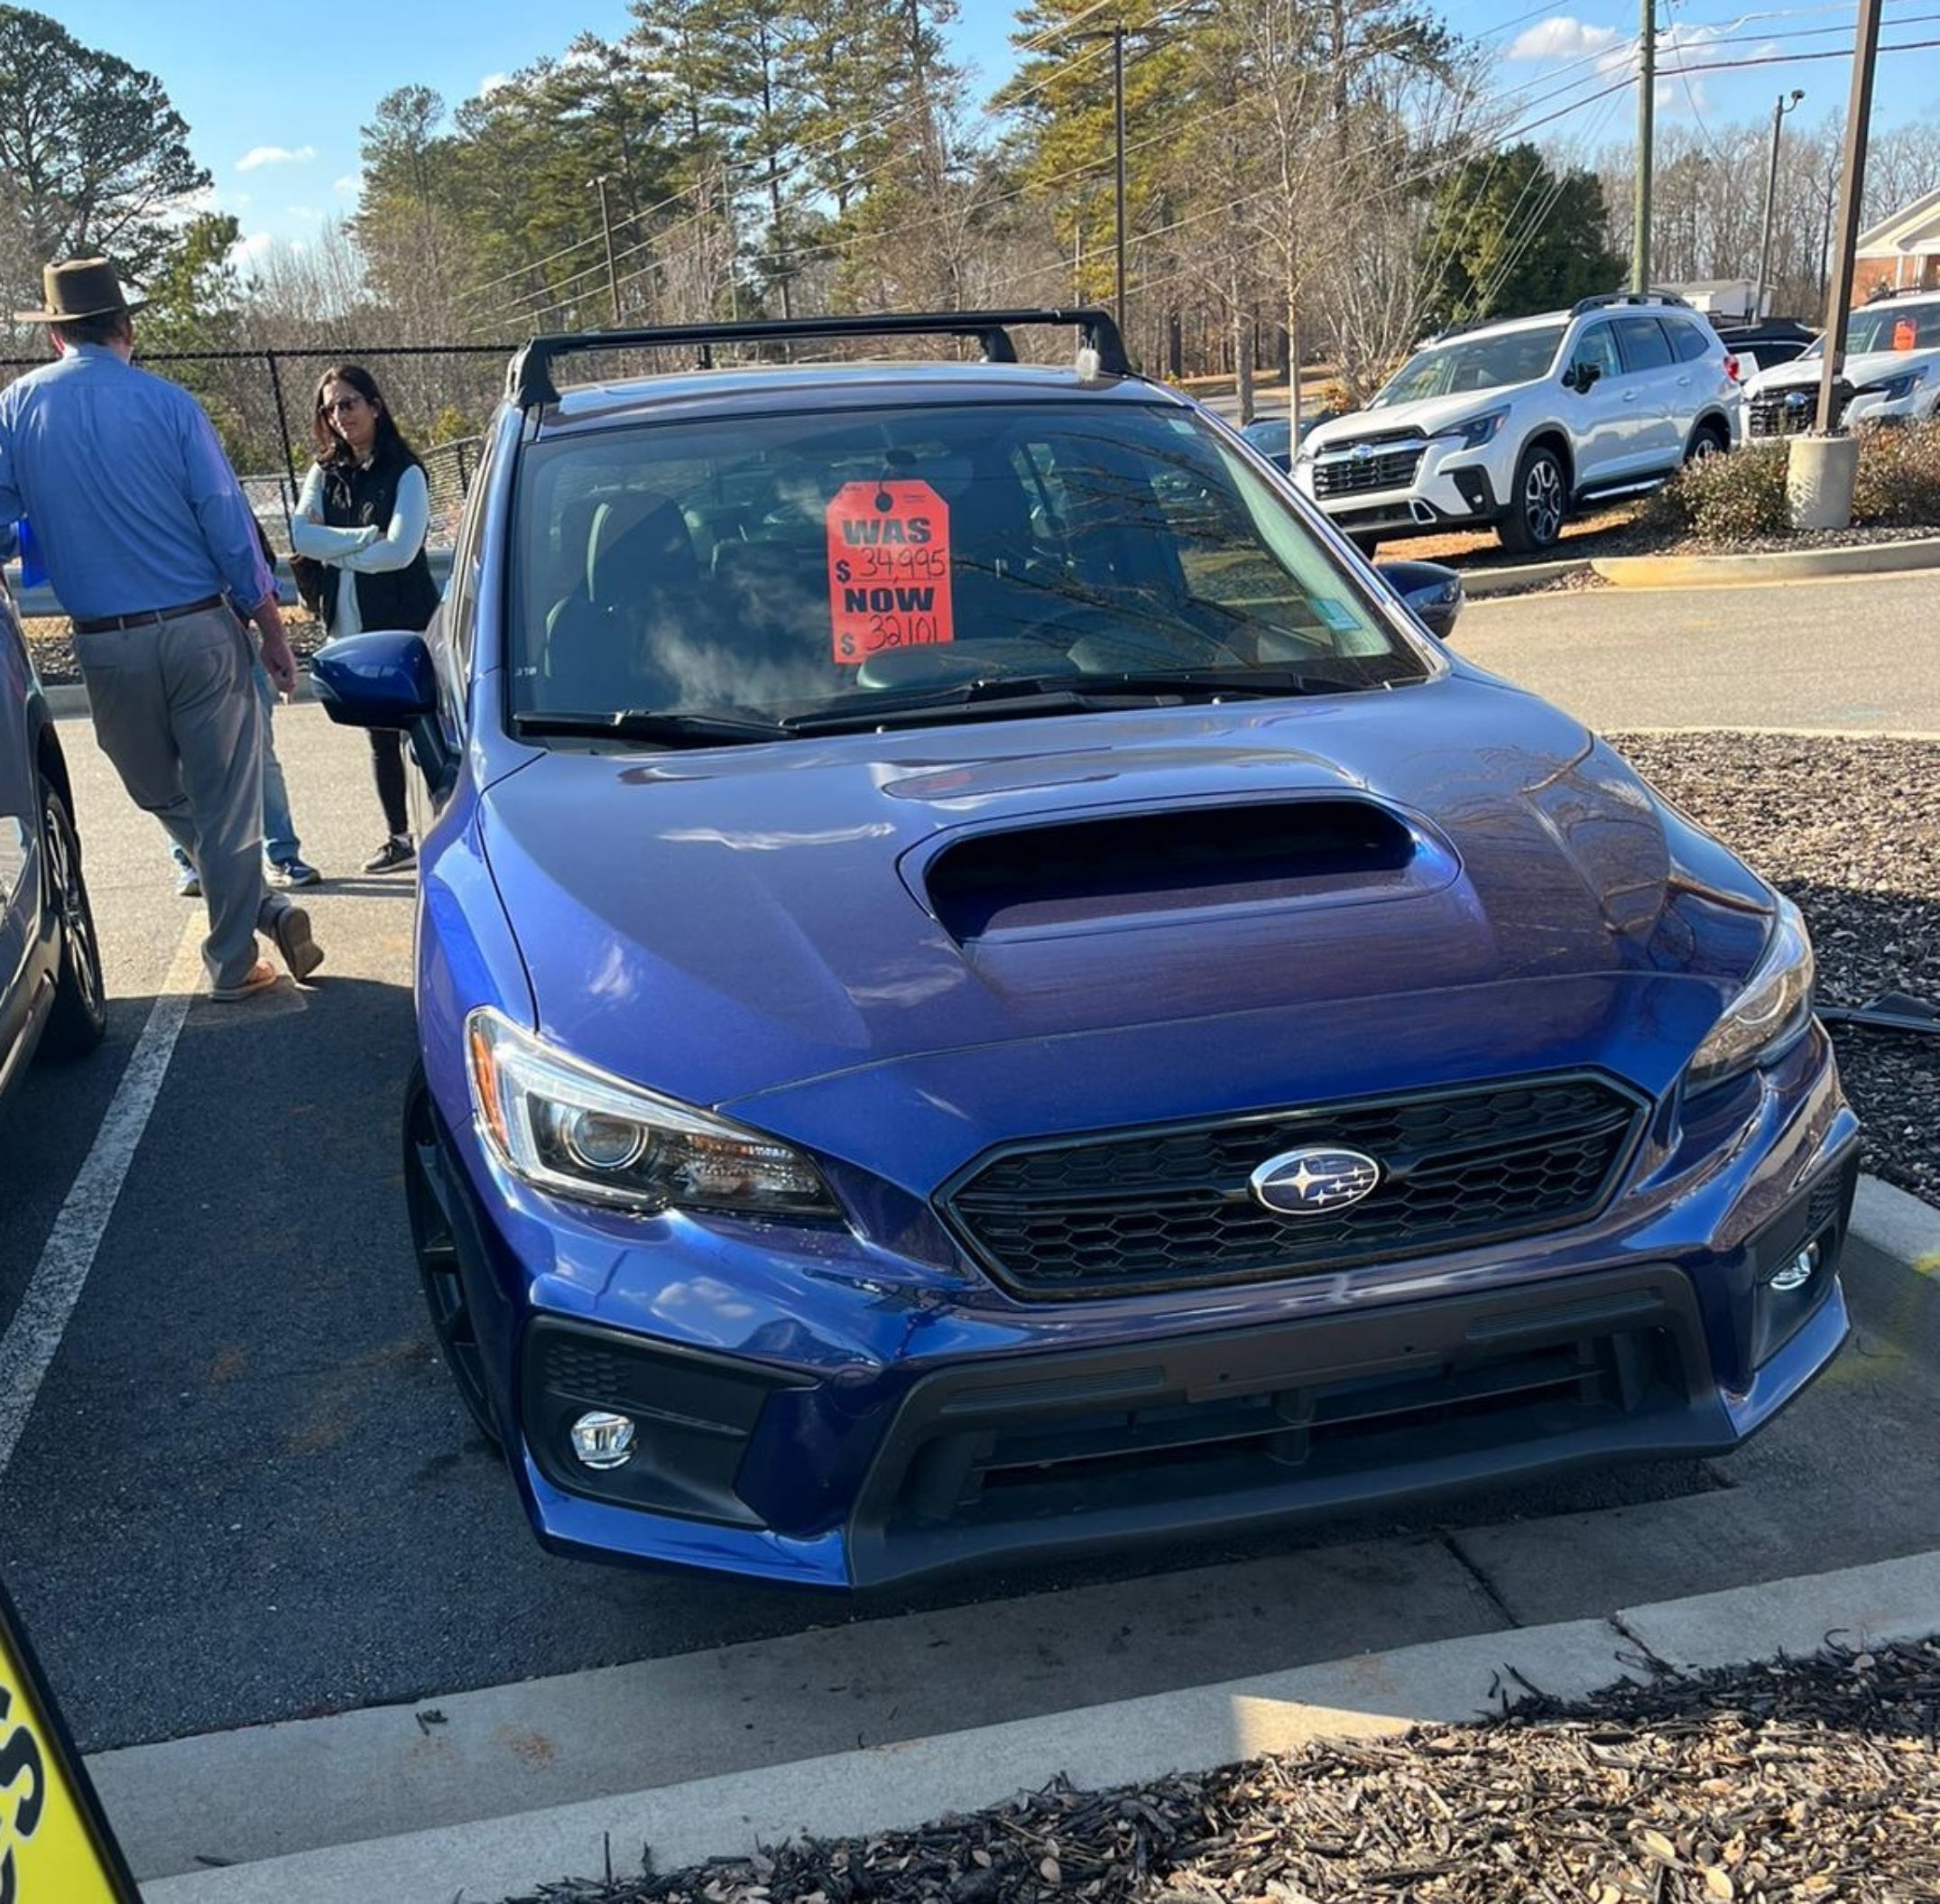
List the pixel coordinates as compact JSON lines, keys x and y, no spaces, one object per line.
{"x":988,"y":990}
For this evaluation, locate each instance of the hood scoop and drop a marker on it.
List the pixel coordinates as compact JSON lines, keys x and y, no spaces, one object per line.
{"x":1155,"y":865}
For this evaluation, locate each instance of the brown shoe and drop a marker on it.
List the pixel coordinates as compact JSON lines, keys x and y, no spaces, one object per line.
{"x":263,"y":977}
{"x":302,"y":953}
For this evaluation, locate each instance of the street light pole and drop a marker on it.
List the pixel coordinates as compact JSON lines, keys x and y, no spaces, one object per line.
{"x":1780,"y":108}
{"x":606,"y":230}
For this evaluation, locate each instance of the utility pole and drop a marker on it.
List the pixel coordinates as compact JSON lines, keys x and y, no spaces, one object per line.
{"x":1865,"y":54}
{"x":1118,"y":115}
{"x":1646,"y":121}
{"x":606,"y":232}
{"x":1780,"y":108}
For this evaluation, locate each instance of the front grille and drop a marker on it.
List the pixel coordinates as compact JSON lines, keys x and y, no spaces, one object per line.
{"x":1172,"y":1209}
{"x":1774,"y":417}
{"x":1354,"y":475}
{"x":1792,"y":413}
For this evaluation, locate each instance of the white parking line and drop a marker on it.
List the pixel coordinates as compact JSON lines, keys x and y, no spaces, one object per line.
{"x":27,"y":1349}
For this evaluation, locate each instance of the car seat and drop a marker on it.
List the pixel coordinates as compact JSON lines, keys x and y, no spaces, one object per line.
{"x":640,"y":574}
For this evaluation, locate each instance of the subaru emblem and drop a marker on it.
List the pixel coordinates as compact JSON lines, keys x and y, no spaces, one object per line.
{"x":1361,"y":452}
{"x":1319,"y":1178}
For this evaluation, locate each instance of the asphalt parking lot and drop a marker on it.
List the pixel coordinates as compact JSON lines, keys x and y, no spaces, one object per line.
{"x":238,"y":1488}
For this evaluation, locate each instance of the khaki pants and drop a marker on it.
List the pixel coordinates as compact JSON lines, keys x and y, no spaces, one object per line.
{"x":176,"y":710}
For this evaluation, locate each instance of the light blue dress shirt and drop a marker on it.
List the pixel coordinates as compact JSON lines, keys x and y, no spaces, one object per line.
{"x":133,"y":502}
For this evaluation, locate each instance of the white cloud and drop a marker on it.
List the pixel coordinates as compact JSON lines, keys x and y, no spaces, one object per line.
{"x":273,"y":155}
{"x":305,"y":212}
{"x":493,"y":83}
{"x":349,"y":185}
{"x":253,"y":249}
{"x":1561,"y":37}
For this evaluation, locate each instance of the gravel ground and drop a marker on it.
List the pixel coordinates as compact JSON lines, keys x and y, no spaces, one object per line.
{"x":1803,"y":1780}
{"x":1849,"y":831}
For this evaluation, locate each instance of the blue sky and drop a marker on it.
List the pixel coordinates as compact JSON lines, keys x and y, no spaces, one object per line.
{"x":274,"y":98}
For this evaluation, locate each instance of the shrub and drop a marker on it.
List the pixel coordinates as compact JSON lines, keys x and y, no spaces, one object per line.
{"x":1732,"y":498}
{"x":1898,"y":479}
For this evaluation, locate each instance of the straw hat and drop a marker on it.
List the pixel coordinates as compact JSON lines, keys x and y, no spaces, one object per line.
{"x":79,"y":287}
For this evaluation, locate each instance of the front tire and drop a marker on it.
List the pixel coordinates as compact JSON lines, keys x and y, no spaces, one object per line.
{"x":77,"y":1021}
{"x":434,"y":1244}
{"x":1537,"y":504}
{"x":1707,"y":440}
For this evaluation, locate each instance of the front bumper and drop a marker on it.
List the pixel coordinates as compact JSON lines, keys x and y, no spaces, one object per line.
{"x":883,"y":1430}
{"x":1446,"y":488}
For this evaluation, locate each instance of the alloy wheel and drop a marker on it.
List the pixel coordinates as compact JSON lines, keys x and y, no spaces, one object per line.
{"x":1542,"y":501}
{"x":80,"y":1011}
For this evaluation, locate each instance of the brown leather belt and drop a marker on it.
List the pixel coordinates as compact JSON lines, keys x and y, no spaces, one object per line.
{"x":102,"y":625}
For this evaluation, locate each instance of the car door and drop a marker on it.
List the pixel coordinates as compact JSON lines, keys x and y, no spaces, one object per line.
{"x":1603,"y":418}
{"x":1651,"y":373}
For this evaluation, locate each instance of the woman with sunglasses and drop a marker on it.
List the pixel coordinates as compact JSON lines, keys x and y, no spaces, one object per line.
{"x":363,"y":515}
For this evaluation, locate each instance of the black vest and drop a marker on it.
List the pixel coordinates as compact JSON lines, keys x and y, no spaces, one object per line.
{"x":403,"y":597}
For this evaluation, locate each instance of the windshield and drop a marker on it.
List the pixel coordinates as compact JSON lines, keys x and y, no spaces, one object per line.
{"x":1444,"y":370}
{"x":816,"y":565}
{"x":1886,"y":326}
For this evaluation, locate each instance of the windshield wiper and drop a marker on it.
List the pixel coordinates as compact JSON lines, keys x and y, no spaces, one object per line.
{"x":647,"y":724}
{"x":998,"y":698}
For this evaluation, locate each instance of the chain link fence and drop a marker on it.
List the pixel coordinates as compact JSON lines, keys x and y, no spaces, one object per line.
{"x":262,"y":402}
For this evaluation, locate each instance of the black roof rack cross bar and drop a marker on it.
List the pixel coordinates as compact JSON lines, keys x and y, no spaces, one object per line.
{"x":529,"y":380}
{"x":1604,"y":298}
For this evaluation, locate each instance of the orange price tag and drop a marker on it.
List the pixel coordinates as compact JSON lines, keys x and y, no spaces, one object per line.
{"x":889,"y":568}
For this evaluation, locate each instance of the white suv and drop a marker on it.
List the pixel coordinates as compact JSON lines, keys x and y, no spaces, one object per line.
{"x":1892,"y":371}
{"x":1511,"y":426}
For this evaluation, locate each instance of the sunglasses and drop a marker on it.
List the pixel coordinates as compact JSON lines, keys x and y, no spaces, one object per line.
{"x":342,"y":404}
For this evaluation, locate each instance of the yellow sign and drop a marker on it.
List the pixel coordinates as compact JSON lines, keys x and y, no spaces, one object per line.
{"x":55,"y":1844}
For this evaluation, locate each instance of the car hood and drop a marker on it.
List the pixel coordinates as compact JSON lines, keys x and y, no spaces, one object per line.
{"x":1395,"y":420}
{"x":1190,"y":893}
{"x":1863,"y":367}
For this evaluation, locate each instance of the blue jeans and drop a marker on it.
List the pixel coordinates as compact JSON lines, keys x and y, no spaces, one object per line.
{"x":279,"y":830}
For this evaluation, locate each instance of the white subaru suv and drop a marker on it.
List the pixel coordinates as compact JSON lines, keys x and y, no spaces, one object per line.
{"x":1511,"y":426}
{"x":1892,"y":372}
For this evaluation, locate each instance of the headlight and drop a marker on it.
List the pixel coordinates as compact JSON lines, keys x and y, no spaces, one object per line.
{"x":1475,"y":433}
{"x":1771,"y":1013}
{"x":1895,"y":388}
{"x":570,"y":1129}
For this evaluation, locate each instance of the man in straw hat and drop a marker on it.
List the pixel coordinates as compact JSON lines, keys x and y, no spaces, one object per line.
{"x":153,"y":553}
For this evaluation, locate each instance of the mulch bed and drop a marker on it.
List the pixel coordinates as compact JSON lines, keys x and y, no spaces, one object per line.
{"x":1801,"y":1780}
{"x":1848,"y":829}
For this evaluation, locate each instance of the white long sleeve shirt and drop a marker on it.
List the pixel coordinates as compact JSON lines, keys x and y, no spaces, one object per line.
{"x":369,"y":550}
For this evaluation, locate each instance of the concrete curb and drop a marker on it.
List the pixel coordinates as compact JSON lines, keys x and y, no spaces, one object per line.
{"x":1897,"y":1225}
{"x":1785,"y":564}
{"x":890,"y":1788}
{"x":1481,"y":583}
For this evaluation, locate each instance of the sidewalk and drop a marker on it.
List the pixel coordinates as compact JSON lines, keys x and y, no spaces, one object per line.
{"x":529,"y":1782}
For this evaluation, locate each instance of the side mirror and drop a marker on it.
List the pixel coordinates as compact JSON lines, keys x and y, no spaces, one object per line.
{"x":1579,"y":377}
{"x":1432,"y":592}
{"x":386,"y":679}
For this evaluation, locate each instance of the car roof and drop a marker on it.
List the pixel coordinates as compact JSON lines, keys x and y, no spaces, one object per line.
{"x":738,"y":388}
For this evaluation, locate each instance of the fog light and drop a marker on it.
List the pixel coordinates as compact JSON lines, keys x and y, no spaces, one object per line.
{"x":602,"y":1440}
{"x":1798,"y":1272}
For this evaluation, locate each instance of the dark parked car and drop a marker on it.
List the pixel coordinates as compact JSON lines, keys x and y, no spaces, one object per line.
{"x":984,"y":990}
{"x":1272,"y":437}
{"x":51,"y":995}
